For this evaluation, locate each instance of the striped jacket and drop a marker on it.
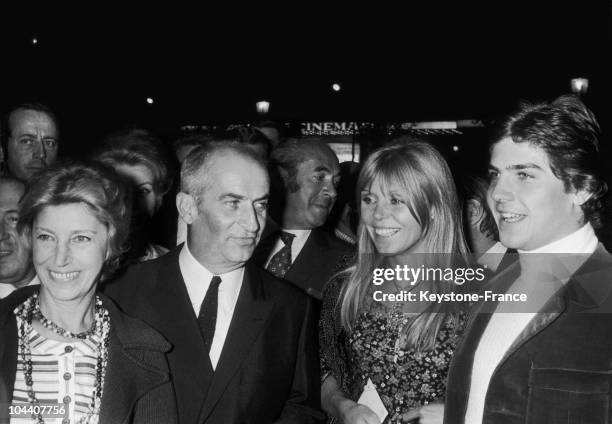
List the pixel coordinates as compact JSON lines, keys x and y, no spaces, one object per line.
{"x":137,"y":386}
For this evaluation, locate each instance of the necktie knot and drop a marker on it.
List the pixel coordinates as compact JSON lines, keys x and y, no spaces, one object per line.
{"x":215,"y":282}
{"x":287,"y":238}
{"x":281,"y":262}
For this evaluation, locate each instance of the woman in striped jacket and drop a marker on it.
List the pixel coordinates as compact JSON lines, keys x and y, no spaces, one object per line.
{"x":67,"y":354}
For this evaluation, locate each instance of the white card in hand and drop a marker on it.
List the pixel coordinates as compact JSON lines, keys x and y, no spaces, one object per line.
{"x":372,"y":400}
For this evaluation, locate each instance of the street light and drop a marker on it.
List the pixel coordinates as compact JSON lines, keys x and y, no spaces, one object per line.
{"x":262,"y":107}
{"x":579,"y":85}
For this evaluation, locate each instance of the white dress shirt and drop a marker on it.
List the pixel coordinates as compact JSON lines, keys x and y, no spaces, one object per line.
{"x":197,"y":280}
{"x":301,"y":236}
{"x":503,"y":328}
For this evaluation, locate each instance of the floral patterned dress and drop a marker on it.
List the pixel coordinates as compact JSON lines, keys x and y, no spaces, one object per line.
{"x":404,"y":378}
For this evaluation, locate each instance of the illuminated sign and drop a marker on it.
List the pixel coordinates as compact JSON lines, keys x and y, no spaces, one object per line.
{"x":334,"y":128}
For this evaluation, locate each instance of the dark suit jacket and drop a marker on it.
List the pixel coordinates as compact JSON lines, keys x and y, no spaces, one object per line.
{"x":559,"y":370}
{"x":268,"y":370}
{"x":137,"y":386}
{"x":316,"y":263}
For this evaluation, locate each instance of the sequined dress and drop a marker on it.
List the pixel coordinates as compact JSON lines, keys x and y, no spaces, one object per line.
{"x":404,"y":378}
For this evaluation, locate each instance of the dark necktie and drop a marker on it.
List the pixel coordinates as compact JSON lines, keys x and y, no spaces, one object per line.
{"x":207,"y":318}
{"x":281,"y":261}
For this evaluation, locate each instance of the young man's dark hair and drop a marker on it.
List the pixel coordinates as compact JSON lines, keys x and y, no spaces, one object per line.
{"x":569,"y":134}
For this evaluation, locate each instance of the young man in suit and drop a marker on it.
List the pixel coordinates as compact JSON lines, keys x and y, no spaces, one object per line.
{"x":301,"y":252}
{"x":549,"y":360}
{"x":245,"y":346}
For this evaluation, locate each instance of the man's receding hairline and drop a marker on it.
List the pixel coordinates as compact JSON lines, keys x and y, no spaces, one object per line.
{"x":203,"y":171}
{"x":228,"y":151}
{"x":21,"y":109}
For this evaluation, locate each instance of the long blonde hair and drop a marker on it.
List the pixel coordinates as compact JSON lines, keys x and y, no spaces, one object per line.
{"x":432,"y":200}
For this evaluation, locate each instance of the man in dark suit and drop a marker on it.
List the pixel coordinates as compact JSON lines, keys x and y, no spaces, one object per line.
{"x":547,"y":359}
{"x":300,"y":251}
{"x":244,"y":342}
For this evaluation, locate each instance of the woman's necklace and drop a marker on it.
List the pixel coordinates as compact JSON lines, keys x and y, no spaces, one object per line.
{"x":28,"y":311}
{"x":50,"y":325}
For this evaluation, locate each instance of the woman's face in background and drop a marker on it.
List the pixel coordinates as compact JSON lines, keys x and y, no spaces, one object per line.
{"x":69,"y":247}
{"x":388,"y":220}
{"x":142,"y":178}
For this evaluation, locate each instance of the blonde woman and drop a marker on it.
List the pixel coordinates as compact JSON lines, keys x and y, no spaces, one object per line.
{"x":409,"y":216}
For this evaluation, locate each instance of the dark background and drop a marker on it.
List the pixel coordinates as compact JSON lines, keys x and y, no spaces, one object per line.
{"x":431,"y":60}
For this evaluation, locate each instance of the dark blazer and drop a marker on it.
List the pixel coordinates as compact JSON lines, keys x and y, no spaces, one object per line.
{"x":137,"y":386}
{"x":268,"y":369}
{"x":316,"y":263}
{"x":560,"y":367}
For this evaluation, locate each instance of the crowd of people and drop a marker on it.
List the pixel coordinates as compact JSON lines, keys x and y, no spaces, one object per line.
{"x":241,"y":288}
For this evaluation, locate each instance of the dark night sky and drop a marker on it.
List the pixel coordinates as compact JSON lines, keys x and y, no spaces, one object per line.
{"x":430,"y":61}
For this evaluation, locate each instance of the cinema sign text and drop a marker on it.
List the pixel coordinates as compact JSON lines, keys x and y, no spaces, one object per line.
{"x":331,"y":127}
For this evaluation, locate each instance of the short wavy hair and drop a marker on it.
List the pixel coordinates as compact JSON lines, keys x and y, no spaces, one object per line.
{"x":94,"y":185}
{"x":569,"y":134}
{"x":194,"y":171}
{"x":289,"y":154}
{"x":137,"y":147}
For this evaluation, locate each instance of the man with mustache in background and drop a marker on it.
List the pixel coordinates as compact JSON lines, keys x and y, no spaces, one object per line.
{"x":300,"y":251}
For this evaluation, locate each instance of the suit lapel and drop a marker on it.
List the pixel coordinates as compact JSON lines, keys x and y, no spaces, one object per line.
{"x":462,"y":361}
{"x":542,"y":319}
{"x":175,"y":318}
{"x":126,"y":381}
{"x":582,"y":282}
{"x":587,"y":279}
{"x":264,"y":248}
{"x":8,"y":364}
{"x":305,"y":271}
{"x":8,"y":345}
{"x":249,"y":319}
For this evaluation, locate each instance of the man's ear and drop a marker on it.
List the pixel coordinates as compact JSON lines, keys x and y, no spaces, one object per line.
{"x":580,"y":197}
{"x":187,"y":207}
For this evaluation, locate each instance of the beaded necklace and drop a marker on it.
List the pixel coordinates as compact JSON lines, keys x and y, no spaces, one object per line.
{"x":30,"y":310}
{"x":50,"y":325}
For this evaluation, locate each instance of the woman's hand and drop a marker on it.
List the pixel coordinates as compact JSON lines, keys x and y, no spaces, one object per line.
{"x":427,"y":414}
{"x":337,"y":404}
{"x":354,"y":413}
